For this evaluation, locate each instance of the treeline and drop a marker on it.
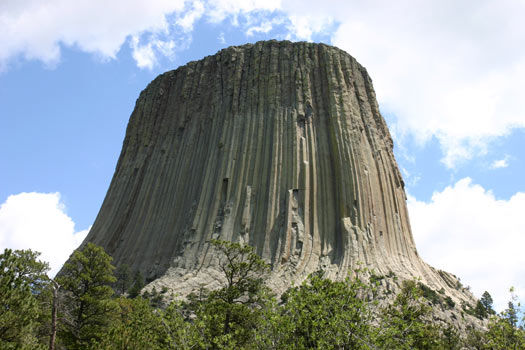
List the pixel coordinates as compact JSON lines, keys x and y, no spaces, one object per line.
{"x":90,"y":306}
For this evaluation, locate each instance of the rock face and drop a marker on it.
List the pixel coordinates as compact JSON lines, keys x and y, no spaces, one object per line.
{"x":277,"y":144}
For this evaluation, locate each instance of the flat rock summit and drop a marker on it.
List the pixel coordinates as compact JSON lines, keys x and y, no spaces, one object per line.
{"x":276,"y":144}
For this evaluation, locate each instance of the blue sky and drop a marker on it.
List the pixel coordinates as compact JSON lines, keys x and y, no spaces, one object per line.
{"x":449,"y":77}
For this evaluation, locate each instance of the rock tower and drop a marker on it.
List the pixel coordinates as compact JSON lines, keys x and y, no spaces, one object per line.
{"x":279,"y":145}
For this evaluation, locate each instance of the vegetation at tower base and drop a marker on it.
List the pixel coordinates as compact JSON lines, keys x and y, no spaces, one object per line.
{"x":317,"y":314}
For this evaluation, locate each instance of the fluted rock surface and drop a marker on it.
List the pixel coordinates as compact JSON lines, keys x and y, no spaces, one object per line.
{"x":277,"y":144}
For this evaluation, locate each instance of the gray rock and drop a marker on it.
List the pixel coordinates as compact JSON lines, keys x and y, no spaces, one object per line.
{"x":279,"y":145}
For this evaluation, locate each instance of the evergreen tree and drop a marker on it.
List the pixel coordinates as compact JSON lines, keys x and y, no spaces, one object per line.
{"x":228,"y":316}
{"x":480,"y":311}
{"x":179,"y":333}
{"x":22,"y":280}
{"x":487,"y":302}
{"x":505,"y":331}
{"x":325,"y":314}
{"x":136,"y":326}
{"x":123,"y":276}
{"x":483,"y":307}
{"x":86,"y":281}
{"x":138,"y":284}
{"x":406,"y":323}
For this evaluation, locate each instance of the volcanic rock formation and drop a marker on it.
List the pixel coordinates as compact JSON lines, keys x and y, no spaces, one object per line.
{"x":277,"y":144}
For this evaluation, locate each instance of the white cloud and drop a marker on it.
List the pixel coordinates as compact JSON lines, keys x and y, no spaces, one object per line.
{"x":500,"y":163}
{"x":188,"y":18}
{"x":467,"y":231}
{"x":219,"y":10}
{"x":143,"y":54}
{"x":449,"y":69}
{"x":303,"y":27}
{"x":38,"y":221}
{"x":410,"y":179}
{"x":264,"y":27}
{"x":221,"y":38}
{"x":36,"y":29}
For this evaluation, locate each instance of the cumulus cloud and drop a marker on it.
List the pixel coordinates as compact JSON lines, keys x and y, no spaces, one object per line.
{"x":36,"y":29}
{"x":500,"y":163}
{"x":264,"y":27}
{"x":187,"y":19}
{"x":465,"y":230}
{"x":448,"y":69}
{"x":220,"y":10}
{"x":38,"y":221}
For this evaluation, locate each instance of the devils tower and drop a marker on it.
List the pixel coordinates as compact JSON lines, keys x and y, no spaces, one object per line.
{"x":279,"y":145}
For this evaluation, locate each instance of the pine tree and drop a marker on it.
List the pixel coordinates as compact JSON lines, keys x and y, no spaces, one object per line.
{"x":138,"y":284}
{"x":86,"y":281}
{"x":406,"y":323}
{"x":325,"y":314}
{"x":228,"y":316}
{"x":487,"y":302}
{"x":22,"y":280}
{"x":123,"y":276}
{"x":136,"y":326}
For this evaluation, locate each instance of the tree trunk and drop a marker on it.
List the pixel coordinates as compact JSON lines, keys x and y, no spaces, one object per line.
{"x":227,"y":322}
{"x":54,"y":309}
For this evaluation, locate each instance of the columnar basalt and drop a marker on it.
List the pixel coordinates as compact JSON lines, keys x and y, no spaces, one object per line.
{"x":279,"y":145}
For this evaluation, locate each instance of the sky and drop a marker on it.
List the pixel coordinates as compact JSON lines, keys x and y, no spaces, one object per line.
{"x":449,"y":77}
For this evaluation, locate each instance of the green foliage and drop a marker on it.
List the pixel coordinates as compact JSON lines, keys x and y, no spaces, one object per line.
{"x":155,"y":298}
{"x":323,"y":314}
{"x":483,"y":307}
{"x":243,"y":314}
{"x":506,"y":331}
{"x":486,"y":301}
{"x":136,"y":326}
{"x":22,"y":280}
{"x":243,"y":270}
{"x":227,"y":316}
{"x":429,"y":294}
{"x":86,"y":280}
{"x":406,"y":323}
{"x":138,"y":284}
{"x":123,"y":279}
{"x":177,"y":332}
{"x":449,"y":302}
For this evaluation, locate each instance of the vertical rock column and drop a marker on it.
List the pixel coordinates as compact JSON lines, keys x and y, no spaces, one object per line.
{"x":277,"y":144}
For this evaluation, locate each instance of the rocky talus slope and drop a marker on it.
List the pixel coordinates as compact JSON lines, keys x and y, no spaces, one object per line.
{"x":279,"y":145}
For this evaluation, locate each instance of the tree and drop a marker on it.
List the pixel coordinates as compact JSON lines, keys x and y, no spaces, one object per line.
{"x":480,"y":311}
{"x":484,"y":306}
{"x":86,"y":281}
{"x":55,"y":287}
{"x":406,"y":323}
{"x":136,"y":326}
{"x":22,"y":280}
{"x":138,"y":284}
{"x":123,"y":276}
{"x":227,"y":316}
{"x":487,"y":302}
{"x":325,"y":314}
{"x":505,"y":331}
{"x":177,"y":332}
